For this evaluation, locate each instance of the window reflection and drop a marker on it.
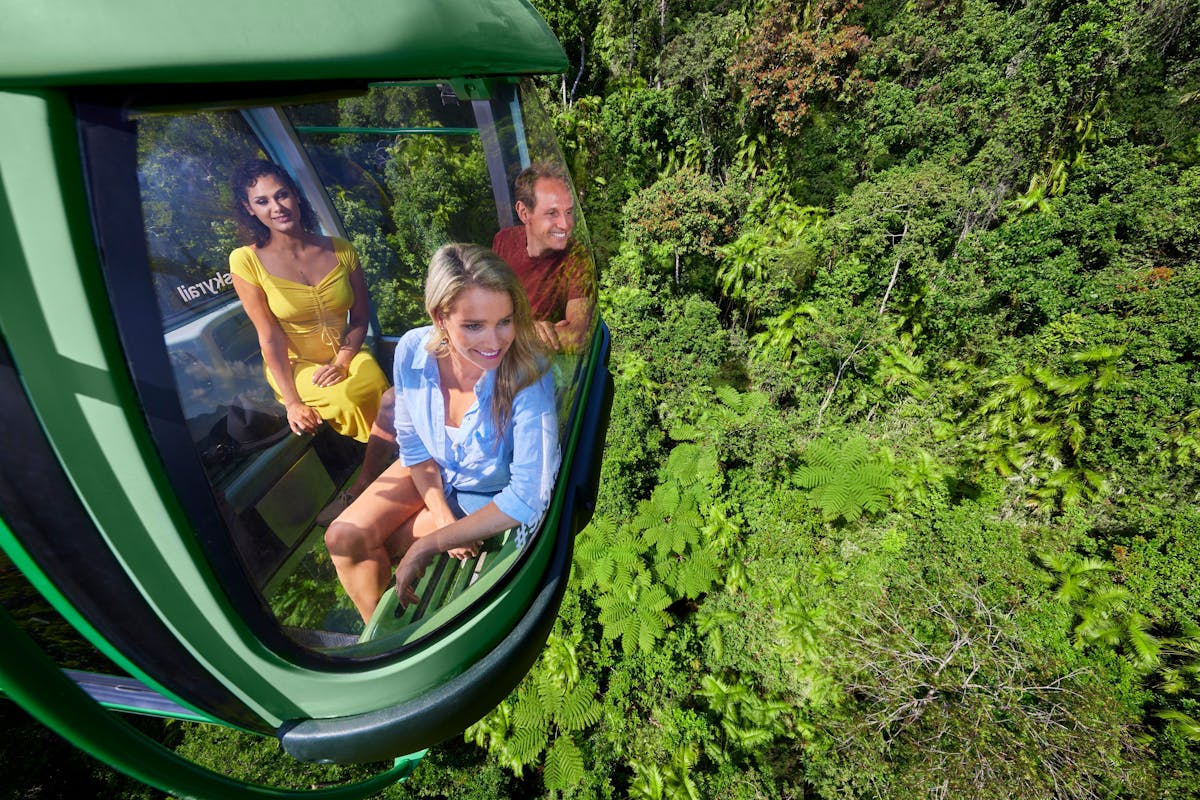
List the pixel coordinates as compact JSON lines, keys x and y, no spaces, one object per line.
{"x":406,"y":169}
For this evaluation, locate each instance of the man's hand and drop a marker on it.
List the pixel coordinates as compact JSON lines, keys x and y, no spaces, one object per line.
{"x":548,"y":332}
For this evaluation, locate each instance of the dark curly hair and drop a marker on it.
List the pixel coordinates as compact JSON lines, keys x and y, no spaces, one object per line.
{"x":245,"y":175}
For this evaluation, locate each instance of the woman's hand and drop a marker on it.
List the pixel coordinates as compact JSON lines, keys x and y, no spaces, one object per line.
{"x":463,"y":553}
{"x":329,"y":374}
{"x":302,"y":418}
{"x":409,"y":571}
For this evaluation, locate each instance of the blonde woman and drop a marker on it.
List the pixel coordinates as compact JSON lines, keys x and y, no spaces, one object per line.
{"x":476,"y":429}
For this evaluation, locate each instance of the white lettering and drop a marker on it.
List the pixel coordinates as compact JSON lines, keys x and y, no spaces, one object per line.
{"x":214,"y":286}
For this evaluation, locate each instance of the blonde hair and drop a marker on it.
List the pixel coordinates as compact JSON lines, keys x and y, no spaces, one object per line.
{"x":457,"y":267}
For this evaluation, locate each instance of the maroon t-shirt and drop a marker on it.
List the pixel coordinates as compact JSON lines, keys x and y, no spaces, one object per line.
{"x":545,"y":280}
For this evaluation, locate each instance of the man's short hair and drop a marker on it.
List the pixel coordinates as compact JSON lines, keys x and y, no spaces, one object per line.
{"x":523,"y":185}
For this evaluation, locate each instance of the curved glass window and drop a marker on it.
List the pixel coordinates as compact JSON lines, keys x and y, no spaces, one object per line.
{"x":397,"y":171}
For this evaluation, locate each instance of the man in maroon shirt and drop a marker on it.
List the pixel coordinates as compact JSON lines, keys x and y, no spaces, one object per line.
{"x":540,"y":250}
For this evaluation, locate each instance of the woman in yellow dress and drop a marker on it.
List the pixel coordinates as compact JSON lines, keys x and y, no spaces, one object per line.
{"x":306,"y":296}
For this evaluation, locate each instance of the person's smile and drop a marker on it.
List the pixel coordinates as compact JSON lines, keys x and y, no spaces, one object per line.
{"x":480,"y":327}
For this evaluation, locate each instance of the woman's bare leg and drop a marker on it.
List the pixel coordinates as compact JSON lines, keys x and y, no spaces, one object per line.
{"x":381,"y":445}
{"x":364,"y":537}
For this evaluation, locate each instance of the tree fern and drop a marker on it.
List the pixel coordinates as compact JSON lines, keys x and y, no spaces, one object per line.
{"x":637,"y":617}
{"x":784,"y":334}
{"x":1073,"y":575}
{"x":1035,"y":423}
{"x":692,"y":465}
{"x":723,"y":698}
{"x":689,"y":575}
{"x":803,"y":630}
{"x":1143,"y":646}
{"x":749,"y":721}
{"x":1101,"y":616}
{"x":551,"y":703}
{"x":845,"y":482}
{"x":672,"y":519}
{"x":609,"y":557}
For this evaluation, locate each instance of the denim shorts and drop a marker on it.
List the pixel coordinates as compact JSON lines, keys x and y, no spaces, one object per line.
{"x":465,"y":503}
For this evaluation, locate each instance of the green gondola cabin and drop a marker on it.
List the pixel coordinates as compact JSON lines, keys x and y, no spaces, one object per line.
{"x":149,"y":487}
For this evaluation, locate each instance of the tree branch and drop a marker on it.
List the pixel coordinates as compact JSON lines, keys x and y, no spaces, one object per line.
{"x":896,"y":267}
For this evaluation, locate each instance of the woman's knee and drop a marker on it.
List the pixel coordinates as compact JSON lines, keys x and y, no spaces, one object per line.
{"x":344,"y":538}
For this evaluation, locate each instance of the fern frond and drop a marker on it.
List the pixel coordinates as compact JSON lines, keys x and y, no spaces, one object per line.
{"x":550,"y":694}
{"x":1144,"y":646}
{"x":529,"y":713}
{"x":579,"y":709}
{"x":649,"y":783}
{"x":1186,"y":725}
{"x":564,"y":765}
{"x":746,"y":738}
{"x":683,"y":463}
{"x":526,"y":745}
{"x":1097,"y":355}
{"x":653,"y":621}
{"x":820,"y":454}
{"x":693,"y":575}
{"x":678,"y":777}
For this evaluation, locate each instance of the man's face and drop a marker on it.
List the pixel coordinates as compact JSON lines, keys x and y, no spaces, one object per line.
{"x":549,"y":223}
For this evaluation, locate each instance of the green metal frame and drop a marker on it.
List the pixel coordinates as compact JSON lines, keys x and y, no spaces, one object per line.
{"x":73,"y":43}
{"x":36,"y":683}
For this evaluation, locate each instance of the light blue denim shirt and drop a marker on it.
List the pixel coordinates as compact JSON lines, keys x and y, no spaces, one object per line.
{"x":519,"y":467}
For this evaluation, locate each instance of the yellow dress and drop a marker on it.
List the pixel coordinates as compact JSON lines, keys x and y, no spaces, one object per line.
{"x":314,"y":319}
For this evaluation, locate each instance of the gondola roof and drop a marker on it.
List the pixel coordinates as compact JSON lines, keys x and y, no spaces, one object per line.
{"x":54,"y":43}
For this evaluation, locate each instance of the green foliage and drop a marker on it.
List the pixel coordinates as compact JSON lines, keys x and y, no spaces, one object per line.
{"x":548,"y":710}
{"x":966,"y":233}
{"x":953,"y":690}
{"x":845,"y":482}
{"x":637,"y":615}
{"x":1160,"y":567}
{"x":1103,"y":613}
{"x":748,"y":721}
{"x":770,"y":261}
{"x":1035,"y":424}
{"x":679,"y":222}
{"x":632,"y":567}
{"x":258,"y":759}
{"x":674,"y":782}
